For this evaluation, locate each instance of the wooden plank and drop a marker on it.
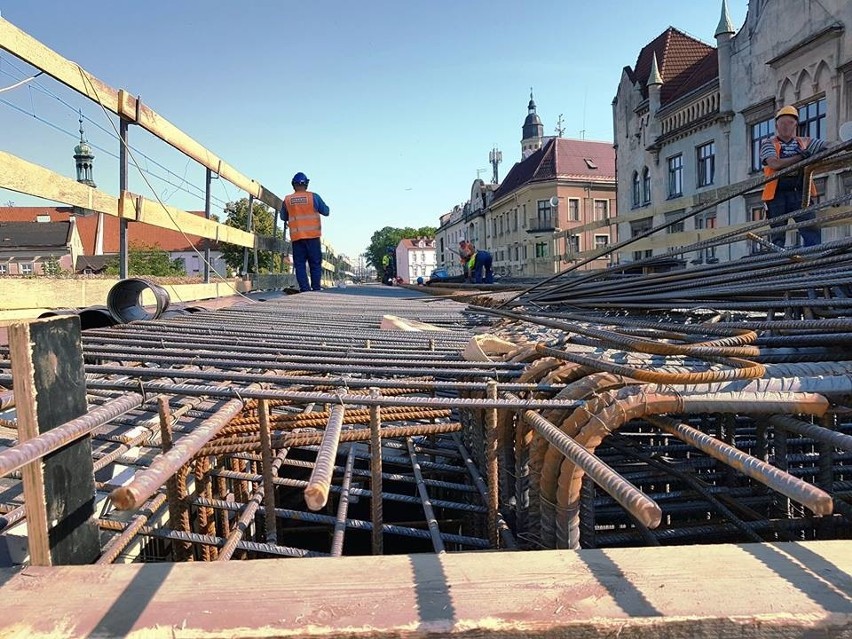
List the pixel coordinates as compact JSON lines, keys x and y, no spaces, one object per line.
{"x":59,"y":490}
{"x":789,"y":590}
{"x":120,"y":102}
{"x":140,"y":209}
{"x":21,"y":176}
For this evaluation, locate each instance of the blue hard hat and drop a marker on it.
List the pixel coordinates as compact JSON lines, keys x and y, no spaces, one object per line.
{"x":300,"y":178}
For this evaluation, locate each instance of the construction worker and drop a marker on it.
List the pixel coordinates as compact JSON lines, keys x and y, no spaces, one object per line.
{"x":480,"y":263}
{"x":465,"y":251}
{"x":784,"y":195}
{"x":301,"y":213}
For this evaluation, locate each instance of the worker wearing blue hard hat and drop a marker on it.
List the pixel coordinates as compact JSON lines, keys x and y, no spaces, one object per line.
{"x":301,"y":212}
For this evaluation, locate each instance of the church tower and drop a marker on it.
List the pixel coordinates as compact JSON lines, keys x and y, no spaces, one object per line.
{"x":533,"y":131}
{"x":84,"y":158}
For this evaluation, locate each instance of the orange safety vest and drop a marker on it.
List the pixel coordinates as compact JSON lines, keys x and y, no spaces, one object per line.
{"x":769,"y":189}
{"x":304,"y":219}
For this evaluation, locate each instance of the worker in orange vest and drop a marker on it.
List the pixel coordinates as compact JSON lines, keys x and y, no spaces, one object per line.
{"x":465,"y":251}
{"x":784,"y":195}
{"x":301,"y":213}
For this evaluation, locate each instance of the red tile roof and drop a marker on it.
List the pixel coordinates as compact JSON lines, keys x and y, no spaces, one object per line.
{"x":685,"y":64}
{"x":565,"y":158}
{"x":87,"y":228}
{"x":411,"y":244}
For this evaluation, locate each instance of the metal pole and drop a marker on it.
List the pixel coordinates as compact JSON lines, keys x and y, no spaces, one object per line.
{"x":122,"y":186}
{"x":207,"y":181}
{"x":248,"y":228}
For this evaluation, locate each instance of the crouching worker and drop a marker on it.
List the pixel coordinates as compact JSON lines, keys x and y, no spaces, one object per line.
{"x":479,"y":265}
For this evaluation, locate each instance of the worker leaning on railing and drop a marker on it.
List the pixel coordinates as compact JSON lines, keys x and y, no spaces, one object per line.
{"x":784,"y":195}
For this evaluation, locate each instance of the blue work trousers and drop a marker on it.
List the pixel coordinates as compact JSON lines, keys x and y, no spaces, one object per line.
{"x":482,"y":265}
{"x":308,"y":252}
{"x":786,"y":202}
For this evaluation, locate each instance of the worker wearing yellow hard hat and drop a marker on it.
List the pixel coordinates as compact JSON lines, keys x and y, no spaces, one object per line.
{"x":784,"y":195}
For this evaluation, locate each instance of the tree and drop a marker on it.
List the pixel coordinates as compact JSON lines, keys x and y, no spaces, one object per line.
{"x":388,"y":238}
{"x":236,"y":216}
{"x":145,"y":259}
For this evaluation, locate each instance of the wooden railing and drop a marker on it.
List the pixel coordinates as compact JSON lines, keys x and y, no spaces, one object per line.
{"x":19,"y":175}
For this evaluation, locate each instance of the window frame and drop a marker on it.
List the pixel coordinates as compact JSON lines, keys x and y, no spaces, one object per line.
{"x":674,"y":165}
{"x":646,"y":185}
{"x":704,"y":160}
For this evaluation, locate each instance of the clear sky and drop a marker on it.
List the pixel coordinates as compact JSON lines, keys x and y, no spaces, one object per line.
{"x":389,"y":106}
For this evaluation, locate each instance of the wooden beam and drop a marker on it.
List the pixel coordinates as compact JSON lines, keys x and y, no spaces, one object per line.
{"x":59,"y":489}
{"x":121,"y":103}
{"x":748,"y":591}
{"x":25,"y":177}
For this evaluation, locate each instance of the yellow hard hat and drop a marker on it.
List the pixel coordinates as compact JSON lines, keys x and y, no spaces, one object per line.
{"x":787,"y":110}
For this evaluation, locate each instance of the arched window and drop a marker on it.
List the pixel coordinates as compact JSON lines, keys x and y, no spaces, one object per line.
{"x":635,"y":188}
{"x":646,"y":185}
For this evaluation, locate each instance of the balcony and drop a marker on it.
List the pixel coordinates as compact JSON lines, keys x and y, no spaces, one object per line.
{"x":541,"y":224}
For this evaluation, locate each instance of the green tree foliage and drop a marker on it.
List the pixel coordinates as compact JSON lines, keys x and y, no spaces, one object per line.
{"x":51,"y":266}
{"x":236,"y":215}
{"x":145,"y":259}
{"x":388,"y":238}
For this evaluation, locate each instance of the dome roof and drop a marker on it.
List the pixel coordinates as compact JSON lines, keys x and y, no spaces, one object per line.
{"x":83,"y":149}
{"x":532,"y":119}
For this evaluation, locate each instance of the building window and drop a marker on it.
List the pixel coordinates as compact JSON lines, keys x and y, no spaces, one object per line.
{"x":646,"y":185}
{"x":677,"y":227}
{"x":573,"y":210}
{"x":25,"y":268}
{"x":758,"y":213}
{"x":601,"y":210}
{"x":515,"y":221}
{"x":635,"y":188}
{"x":706,"y":156}
{"x":544,"y":215}
{"x":573,"y":244}
{"x":759,"y":132}
{"x":601,"y":241}
{"x":541,"y":249}
{"x":3,"y":270}
{"x":707,"y":221}
{"x":675,"y":176}
{"x":812,"y":119}
{"x":637,"y":228}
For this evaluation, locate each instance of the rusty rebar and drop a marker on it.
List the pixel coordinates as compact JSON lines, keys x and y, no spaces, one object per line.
{"x":806,"y":494}
{"x":431,"y":521}
{"x":316,"y":493}
{"x":376,"y":514}
{"x":146,"y":482}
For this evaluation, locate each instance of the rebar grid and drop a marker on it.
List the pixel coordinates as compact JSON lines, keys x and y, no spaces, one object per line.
{"x":435,"y":453}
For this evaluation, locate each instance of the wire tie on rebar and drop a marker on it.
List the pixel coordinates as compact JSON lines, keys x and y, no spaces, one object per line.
{"x":142,"y":390}
{"x":239,"y":397}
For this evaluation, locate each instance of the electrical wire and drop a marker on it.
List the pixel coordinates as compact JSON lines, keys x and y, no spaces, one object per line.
{"x":21,"y":83}
{"x":198,"y":191}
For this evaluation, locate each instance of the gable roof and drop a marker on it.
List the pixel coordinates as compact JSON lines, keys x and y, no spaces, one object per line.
{"x":34,"y":234}
{"x":562,"y":158}
{"x":137,"y":233}
{"x":411,"y":244}
{"x":685,"y":64}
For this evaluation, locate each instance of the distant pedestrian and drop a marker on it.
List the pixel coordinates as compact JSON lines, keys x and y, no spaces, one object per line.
{"x":301,"y":212}
{"x":479,"y":265}
{"x":784,"y":195}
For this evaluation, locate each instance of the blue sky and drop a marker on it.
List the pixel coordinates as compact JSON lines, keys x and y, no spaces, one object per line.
{"x":390,"y":106}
